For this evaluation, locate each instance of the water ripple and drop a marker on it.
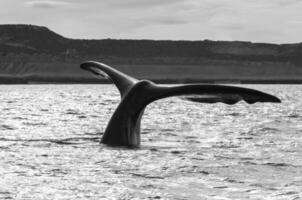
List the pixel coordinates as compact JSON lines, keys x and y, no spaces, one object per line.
{"x":50,"y":147}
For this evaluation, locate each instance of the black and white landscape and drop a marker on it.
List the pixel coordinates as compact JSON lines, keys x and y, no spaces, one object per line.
{"x":212,"y":145}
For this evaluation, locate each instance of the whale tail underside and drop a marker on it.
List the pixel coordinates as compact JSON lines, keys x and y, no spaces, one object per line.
{"x":122,"y":81}
{"x":204,"y":93}
{"x":201,"y":93}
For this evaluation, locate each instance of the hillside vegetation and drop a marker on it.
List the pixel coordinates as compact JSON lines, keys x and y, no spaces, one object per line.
{"x":36,"y":54}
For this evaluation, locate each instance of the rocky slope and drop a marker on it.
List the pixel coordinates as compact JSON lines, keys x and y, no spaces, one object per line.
{"x":36,"y":54}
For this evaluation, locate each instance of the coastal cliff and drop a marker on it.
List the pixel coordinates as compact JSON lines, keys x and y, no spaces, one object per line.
{"x":31,"y":53}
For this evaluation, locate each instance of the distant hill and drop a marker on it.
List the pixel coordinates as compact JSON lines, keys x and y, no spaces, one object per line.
{"x":31,"y":53}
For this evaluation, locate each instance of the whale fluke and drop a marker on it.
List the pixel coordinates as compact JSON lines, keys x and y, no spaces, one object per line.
{"x":122,"y":81}
{"x":123,"y":128}
{"x":204,"y":93}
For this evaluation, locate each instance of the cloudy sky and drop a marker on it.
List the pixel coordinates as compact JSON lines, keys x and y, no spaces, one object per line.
{"x":274,"y":21}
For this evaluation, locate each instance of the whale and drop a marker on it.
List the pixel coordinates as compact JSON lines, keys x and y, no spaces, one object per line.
{"x":123,"y":128}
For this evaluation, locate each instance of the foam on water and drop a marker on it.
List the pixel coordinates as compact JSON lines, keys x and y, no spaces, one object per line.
{"x":50,"y":147}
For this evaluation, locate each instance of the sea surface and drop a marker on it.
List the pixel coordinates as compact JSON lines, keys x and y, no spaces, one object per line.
{"x":49,"y":147}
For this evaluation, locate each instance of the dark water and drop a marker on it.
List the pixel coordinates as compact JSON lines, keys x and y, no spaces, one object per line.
{"x":49,"y":147}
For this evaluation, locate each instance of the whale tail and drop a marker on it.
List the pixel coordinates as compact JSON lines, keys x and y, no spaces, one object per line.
{"x":122,"y":81}
{"x":204,"y":93}
{"x":124,"y":126}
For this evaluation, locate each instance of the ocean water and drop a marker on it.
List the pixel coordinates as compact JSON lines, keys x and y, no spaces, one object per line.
{"x":49,"y":147}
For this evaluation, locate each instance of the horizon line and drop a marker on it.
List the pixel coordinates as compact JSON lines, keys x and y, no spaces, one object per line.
{"x":148,"y":39}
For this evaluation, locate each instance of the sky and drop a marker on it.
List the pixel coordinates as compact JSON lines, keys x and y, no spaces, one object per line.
{"x":271,"y":21}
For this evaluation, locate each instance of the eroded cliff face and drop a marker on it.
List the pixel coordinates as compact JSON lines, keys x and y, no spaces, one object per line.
{"x":36,"y":54}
